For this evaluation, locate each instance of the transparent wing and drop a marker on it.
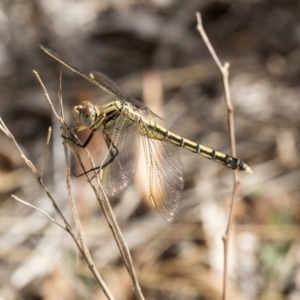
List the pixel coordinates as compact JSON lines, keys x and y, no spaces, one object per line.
{"x":165,"y":176}
{"x":117,"y":174}
{"x":108,"y":85}
{"x":103,"y":82}
{"x":164,"y":167}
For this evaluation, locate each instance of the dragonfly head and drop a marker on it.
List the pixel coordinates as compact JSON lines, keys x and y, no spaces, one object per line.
{"x":84,"y":115}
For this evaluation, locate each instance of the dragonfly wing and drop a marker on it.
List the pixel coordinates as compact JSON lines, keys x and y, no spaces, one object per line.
{"x":117,"y":174}
{"x":164,"y":167}
{"x":165,"y":176}
{"x":108,"y":85}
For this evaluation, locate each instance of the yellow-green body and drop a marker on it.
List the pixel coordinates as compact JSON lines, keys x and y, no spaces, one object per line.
{"x":104,"y":117}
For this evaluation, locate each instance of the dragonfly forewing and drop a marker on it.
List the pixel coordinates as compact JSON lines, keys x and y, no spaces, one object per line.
{"x":111,"y":87}
{"x":117,"y":174}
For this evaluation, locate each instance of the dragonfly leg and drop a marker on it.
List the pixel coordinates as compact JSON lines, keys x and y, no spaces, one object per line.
{"x":80,"y":144}
{"x":112,"y":148}
{"x":113,"y":152}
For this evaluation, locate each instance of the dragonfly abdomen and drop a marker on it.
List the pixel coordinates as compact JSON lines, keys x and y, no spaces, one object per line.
{"x":222,"y":158}
{"x":156,"y":131}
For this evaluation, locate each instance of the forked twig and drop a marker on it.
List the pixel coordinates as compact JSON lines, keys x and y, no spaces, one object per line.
{"x":224,"y":70}
{"x":39,"y":210}
{"x":78,"y":241}
{"x":102,"y":199}
{"x":80,"y":234}
{"x":79,"y":238}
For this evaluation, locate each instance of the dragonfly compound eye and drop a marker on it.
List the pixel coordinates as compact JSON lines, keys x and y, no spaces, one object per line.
{"x":86,"y":116}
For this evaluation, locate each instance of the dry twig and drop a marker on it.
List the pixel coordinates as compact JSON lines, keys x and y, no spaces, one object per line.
{"x":102,"y":199}
{"x":46,"y":150}
{"x":78,"y":241}
{"x":224,"y":70}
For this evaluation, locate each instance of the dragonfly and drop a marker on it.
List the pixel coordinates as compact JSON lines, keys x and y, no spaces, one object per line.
{"x":126,"y":124}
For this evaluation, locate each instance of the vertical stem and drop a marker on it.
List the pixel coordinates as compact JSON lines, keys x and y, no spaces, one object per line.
{"x":224,"y":70}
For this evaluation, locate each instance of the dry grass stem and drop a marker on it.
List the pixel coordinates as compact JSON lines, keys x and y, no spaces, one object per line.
{"x":111,"y":220}
{"x":224,"y":70}
{"x":46,"y":150}
{"x":39,"y":210}
{"x":78,"y":241}
{"x":100,"y":195}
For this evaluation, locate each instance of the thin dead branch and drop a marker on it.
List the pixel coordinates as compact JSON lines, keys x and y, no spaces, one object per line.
{"x":39,"y":210}
{"x":46,"y":150}
{"x":78,"y":241}
{"x":101,"y":197}
{"x":224,"y":70}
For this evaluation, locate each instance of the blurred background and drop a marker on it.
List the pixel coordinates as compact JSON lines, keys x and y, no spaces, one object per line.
{"x":154,"y":52}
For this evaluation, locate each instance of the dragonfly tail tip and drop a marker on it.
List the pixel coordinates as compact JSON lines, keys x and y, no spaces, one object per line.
{"x":248,"y":170}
